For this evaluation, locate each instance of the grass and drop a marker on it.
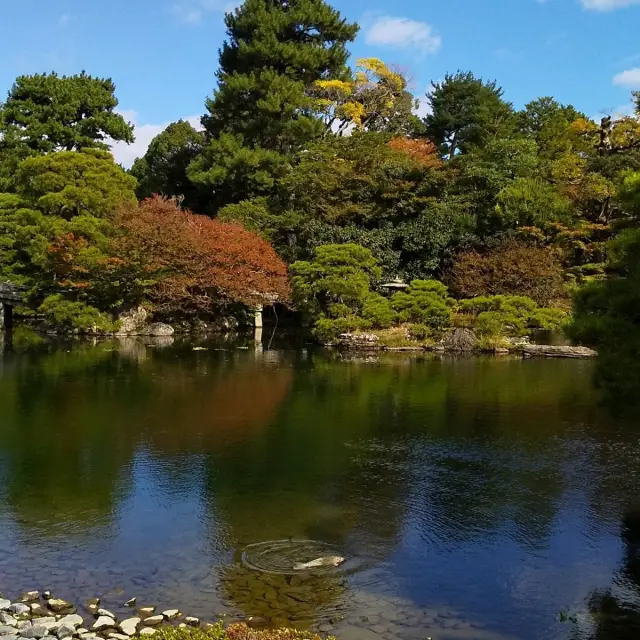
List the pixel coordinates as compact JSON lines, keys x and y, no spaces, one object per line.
{"x":236,"y":631}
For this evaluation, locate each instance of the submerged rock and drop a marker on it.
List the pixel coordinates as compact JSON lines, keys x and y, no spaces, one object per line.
{"x":131,"y":602}
{"x":58,"y":604}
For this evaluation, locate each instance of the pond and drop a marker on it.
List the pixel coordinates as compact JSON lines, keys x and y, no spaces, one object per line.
{"x":470,"y":497}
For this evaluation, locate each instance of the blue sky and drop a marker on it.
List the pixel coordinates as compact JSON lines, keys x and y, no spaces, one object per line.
{"x":162,"y":54}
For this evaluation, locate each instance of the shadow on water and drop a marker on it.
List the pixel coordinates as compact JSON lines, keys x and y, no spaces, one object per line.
{"x":473,"y":498}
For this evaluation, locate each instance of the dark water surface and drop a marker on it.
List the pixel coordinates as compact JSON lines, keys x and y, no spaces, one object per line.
{"x":472,"y":498}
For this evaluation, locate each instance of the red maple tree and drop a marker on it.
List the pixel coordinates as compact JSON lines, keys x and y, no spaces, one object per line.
{"x":195,"y":262}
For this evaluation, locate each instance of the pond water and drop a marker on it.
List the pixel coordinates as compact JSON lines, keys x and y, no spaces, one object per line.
{"x":470,"y":497}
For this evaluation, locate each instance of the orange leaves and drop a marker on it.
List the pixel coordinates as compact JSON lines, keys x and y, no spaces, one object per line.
{"x":423,"y":151}
{"x":198,"y":262}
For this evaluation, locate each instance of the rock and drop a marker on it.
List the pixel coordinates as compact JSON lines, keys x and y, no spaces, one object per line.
{"x":50,"y":622}
{"x":147,"y":631}
{"x":103,"y":622}
{"x":47,"y":595}
{"x":192,"y":621}
{"x":460,"y":340}
{"x":145,"y":612}
{"x":129,"y":626}
{"x":130,"y":603}
{"x":73,"y":620}
{"x":4,"y":604}
{"x":65,"y":631}
{"x":19,"y":608}
{"x":24,"y":624}
{"x":105,"y":612}
{"x":35,"y":631}
{"x":152,"y":621}
{"x":548,"y":351}
{"x":7,"y":619}
{"x":157,"y":329}
{"x":29,"y":596}
{"x":58,"y":605}
{"x":182,"y":625}
{"x":358,"y":340}
{"x":171,"y":614}
{"x":93,"y":602}
{"x":6,"y":630}
{"x":132,"y":321}
{"x":118,"y":636}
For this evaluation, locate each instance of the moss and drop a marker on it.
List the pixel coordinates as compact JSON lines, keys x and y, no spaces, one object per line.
{"x":237,"y":631}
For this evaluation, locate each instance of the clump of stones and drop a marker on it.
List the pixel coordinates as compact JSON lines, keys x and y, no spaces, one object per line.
{"x":36,"y":616}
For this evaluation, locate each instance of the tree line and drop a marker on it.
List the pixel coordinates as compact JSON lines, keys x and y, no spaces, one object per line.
{"x":312,"y":174}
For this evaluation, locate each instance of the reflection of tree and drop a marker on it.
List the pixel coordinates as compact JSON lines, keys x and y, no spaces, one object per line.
{"x":618,"y":377}
{"x":616,"y":611}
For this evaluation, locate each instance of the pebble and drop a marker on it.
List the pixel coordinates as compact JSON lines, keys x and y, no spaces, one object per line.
{"x":105,"y":612}
{"x":129,"y":626}
{"x":171,"y":614}
{"x":152,"y":621}
{"x":130,"y":603}
{"x":19,"y":608}
{"x":192,"y":621}
{"x":4,"y":604}
{"x":7,"y":618}
{"x":147,"y":631}
{"x":104,"y":622}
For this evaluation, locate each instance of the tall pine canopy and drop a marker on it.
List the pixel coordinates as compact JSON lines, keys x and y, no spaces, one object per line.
{"x":275,"y":50}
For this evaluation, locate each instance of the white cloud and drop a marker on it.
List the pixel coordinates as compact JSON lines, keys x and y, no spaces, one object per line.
{"x":125,"y":153}
{"x":628,"y":78}
{"x":423,"y":109}
{"x":607,"y":5}
{"x":403,"y":33}
{"x":194,"y":11}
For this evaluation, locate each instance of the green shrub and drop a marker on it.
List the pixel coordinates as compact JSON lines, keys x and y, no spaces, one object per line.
{"x":378,"y":312}
{"x":68,"y":315}
{"x":424,"y":302}
{"x":328,"y":329}
{"x":510,"y":315}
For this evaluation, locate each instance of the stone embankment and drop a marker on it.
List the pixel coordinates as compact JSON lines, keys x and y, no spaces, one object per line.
{"x":36,"y":617}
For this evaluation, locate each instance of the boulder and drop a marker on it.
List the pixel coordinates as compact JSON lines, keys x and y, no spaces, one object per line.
{"x":157,"y":329}
{"x":23,"y":624}
{"x":7,"y":619}
{"x":145,"y":612}
{"x":103,"y":622}
{"x":6,"y":630}
{"x":65,"y":631}
{"x":47,"y":595}
{"x":548,"y":351}
{"x":129,"y":626}
{"x":460,"y":340}
{"x":35,"y":631}
{"x":36,"y":609}
{"x":74,"y":620}
{"x":358,"y":340}
{"x":29,"y":596}
{"x":19,"y":609}
{"x":132,"y":321}
{"x":4,"y":604}
{"x":105,"y":612}
{"x":171,"y":614}
{"x":153,"y":621}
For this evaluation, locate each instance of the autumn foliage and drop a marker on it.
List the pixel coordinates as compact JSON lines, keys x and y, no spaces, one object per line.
{"x":512,"y":269}
{"x":196,"y":263}
{"x":422,"y":151}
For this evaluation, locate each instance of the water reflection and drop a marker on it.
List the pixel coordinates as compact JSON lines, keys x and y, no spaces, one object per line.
{"x":474,"y":497}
